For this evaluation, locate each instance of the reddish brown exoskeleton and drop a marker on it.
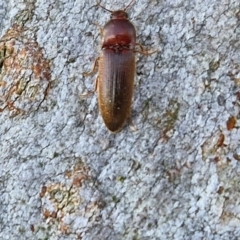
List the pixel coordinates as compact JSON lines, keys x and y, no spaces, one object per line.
{"x":116,"y":69}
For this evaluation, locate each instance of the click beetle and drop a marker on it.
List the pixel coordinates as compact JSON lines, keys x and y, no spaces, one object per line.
{"x":116,"y":69}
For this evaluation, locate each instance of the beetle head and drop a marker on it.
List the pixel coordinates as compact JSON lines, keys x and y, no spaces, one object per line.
{"x":120,"y":14}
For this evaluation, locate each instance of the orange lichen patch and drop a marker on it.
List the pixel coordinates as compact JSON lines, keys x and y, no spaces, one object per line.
{"x":78,"y":175}
{"x":66,"y":200}
{"x":61,"y":201}
{"x":220,"y":190}
{"x":2,"y":83}
{"x":32,"y":228}
{"x":64,"y":228}
{"x":231,"y":123}
{"x":238,"y":95}
{"x":43,"y":191}
{"x":24,"y":72}
{"x":48,"y":214}
{"x":220,"y":142}
{"x":230,"y":211}
{"x":13,"y":32}
{"x":214,"y":148}
{"x":216,"y":159}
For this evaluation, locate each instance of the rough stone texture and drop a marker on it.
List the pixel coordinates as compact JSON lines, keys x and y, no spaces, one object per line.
{"x":64,"y":176}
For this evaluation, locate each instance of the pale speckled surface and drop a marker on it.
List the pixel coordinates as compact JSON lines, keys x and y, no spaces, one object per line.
{"x":64,"y":176}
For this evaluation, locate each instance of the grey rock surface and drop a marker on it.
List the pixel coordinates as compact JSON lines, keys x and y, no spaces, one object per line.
{"x":63,"y":175}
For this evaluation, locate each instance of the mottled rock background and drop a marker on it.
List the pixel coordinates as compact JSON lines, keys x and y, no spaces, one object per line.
{"x":64,"y":176}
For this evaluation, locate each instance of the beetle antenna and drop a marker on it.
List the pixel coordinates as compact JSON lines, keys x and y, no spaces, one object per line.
{"x":128,"y":6}
{"x":99,"y":5}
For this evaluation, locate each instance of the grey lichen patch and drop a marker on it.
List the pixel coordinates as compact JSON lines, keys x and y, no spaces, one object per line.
{"x":24,"y":72}
{"x":195,"y":201}
{"x":66,"y":207}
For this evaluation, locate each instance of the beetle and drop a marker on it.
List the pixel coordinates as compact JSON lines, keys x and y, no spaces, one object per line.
{"x":116,"y":69}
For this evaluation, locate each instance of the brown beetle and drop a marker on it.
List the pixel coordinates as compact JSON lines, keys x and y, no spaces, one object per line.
{"x":116,"y":64}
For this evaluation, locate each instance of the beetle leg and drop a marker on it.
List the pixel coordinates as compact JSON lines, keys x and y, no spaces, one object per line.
{"x":100,"y":28}
{"x":96,"y":84}
{"x":143,"y":50}
{"x":85,"y":74}
{"x":91,"y":92}
{"x":132,"y":125}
